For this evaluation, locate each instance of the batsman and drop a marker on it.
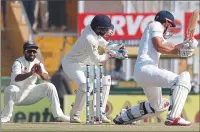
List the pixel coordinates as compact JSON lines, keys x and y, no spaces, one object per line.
{"x":152,"y":78}
{"x":85,"y":51}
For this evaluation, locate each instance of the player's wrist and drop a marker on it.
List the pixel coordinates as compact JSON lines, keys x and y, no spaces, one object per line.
{"x":111,"y":53}
{"x":30,"y":73}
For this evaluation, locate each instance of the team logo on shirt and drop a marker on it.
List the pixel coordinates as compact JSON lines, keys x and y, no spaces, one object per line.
{"x":25,"y":68}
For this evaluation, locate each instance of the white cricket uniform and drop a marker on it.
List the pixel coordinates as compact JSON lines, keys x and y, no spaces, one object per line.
{"x":146,"y":72}
{"x":26,"y":92}
{"x":83,"y":52}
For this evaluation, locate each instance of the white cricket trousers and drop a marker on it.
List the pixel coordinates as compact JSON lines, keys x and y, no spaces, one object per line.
{"x":77,"y":72}
{"x":14,"y":95}
{"x":152,"y":79}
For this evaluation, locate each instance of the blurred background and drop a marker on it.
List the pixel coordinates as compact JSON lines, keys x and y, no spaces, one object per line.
{"x":56,"y":24}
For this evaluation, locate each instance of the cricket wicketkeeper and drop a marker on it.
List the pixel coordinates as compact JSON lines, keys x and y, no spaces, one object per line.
{"x":85,"y":51}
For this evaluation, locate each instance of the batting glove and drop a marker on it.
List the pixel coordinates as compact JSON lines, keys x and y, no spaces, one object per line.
{"x":185,"y":52}
{"x":191,"y":44}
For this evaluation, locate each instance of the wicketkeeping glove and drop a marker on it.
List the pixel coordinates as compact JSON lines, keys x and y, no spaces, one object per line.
{"x":114,"y":46}
{"x":120,"y":54}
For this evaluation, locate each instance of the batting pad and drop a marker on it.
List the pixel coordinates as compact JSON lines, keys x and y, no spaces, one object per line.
{"x":179,"y":95}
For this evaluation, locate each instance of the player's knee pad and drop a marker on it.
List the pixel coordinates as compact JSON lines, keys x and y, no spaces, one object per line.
{"x":184,"y":80}
{"x":106,"y":85}
{"x":179,"y":94}
{"x":83,"y":87}
{"x":79,"y":103}
{"x":107,"y":80}
{"x":105,"y":91}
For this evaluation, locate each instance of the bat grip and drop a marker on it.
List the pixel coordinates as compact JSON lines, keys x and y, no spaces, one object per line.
{"x":190,"y":35}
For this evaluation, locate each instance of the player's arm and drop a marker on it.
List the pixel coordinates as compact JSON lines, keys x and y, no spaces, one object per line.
{"x":17,"y":72}
{"x":21,"y":77}
{"x":165,"y":47}
{"x":94,"y":55}
{"x":44,"y":76}
{"x":102,"y":42}
{"x":92,"y":50}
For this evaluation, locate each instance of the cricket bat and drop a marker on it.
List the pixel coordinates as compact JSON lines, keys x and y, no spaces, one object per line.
{"x":192,"y":24}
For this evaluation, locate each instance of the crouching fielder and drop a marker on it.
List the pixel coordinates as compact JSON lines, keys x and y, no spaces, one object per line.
{"x":24,"y":91}
{"x":85,"y":51}
{"x":148,"y":75}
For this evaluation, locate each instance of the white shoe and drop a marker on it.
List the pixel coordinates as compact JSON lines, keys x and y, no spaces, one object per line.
{"x":63,"y":118}
{"x":5,"y":120}
{"x":177,"y":122}
{"x":75,"y":119}
{"x":105,"y":119}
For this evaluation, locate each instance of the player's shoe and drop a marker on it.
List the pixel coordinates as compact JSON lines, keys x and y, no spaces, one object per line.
{"x":105,"y":119}
{"x":63,"y":118}
{"x":75,"y":119}
{"x":5,"y":120}
{"x":177,"y":122}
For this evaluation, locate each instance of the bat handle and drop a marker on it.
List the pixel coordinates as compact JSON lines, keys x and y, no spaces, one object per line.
{"x":190,"y":35}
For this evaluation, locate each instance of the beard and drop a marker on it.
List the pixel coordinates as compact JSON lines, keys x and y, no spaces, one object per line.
{"x":30,"y":58}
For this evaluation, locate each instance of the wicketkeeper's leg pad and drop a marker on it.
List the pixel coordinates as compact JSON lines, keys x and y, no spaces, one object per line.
{"x":105,"y":92}
{"x":79,"y":103}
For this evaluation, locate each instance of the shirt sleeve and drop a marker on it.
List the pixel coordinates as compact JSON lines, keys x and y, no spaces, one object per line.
{"x":157,"y":29}
{"x":43,"y":69}
{"x":102,"y":42}
{"x":93,"y":50}
{"x":16,"y":69}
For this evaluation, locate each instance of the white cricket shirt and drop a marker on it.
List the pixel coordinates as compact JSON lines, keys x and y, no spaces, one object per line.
{"x":147,"y":53}
{"x":22,"y":66}
{"x":85,"y":50}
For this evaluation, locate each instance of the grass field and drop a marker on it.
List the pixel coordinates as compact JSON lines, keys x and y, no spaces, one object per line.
{"x":63,"y":127}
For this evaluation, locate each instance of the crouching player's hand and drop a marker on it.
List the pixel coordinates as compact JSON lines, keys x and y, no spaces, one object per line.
{"x":38,"y":69}
{"x":119,"y":54}
{"x":114,"y":46}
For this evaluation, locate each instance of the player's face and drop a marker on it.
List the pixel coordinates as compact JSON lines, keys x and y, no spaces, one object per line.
{"x":168,"y":30}
{"x":108,"y":34}
{"x":30,"y":55}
